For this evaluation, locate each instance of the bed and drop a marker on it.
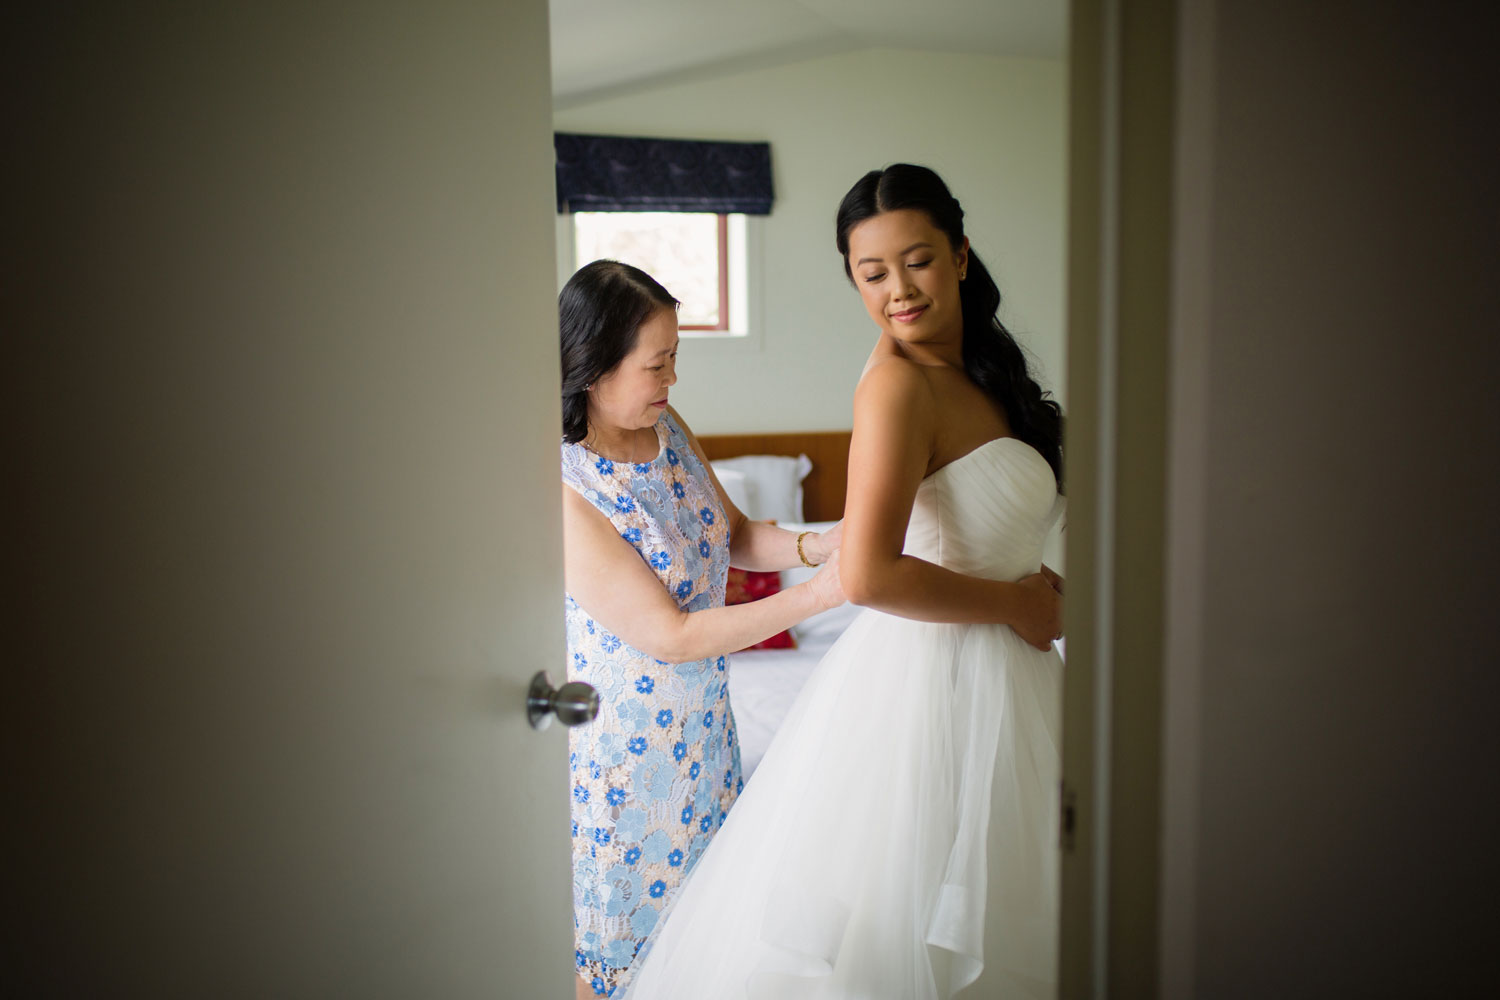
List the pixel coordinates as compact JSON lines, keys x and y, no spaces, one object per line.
{"x":798,"y":480}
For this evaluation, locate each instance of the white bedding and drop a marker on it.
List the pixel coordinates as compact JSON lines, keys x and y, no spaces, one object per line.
{"x":763,"y":683}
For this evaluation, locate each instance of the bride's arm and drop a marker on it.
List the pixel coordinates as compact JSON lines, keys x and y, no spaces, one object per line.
{"x":894,"y":427}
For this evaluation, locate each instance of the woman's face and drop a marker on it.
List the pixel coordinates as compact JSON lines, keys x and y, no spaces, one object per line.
{"x":634,"y":393}
{"x":907,"y":274}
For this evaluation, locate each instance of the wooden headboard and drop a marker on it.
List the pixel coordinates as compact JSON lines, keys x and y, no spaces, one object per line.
{"x":823,"y":489}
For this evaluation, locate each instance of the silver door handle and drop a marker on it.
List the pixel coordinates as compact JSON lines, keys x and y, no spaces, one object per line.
{"x":574,"y":703}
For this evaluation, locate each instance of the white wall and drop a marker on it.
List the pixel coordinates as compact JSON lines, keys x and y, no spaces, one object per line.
{"x":993,"y":128}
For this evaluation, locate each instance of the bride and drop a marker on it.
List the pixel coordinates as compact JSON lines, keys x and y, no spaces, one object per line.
{"x":898,"y":838}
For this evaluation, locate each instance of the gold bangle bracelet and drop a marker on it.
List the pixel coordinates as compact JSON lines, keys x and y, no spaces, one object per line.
{"x":803,"y":555}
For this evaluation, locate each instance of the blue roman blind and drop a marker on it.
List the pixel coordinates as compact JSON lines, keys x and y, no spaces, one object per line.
{"x":612,"y":173}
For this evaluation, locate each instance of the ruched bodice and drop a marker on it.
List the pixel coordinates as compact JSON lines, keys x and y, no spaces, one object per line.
{"x":986,"y":513}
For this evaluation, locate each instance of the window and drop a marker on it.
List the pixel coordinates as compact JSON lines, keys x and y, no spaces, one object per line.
{"x":672,"y":207}
{"x":699,"y":257}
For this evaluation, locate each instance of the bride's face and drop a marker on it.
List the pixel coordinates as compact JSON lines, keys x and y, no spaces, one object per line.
{"x":907,"y":274}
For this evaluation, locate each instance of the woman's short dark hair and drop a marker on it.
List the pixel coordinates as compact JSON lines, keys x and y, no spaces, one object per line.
{"x":600,"y":312}
{"x":991,"y":355}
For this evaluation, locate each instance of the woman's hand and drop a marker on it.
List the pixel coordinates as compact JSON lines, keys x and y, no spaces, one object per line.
{"x":826,"y":586}
{"x":820,"y":547}
{"x":1041,"y":618}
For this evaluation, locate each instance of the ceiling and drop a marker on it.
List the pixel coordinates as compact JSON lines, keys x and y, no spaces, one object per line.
{"x":604,"y":47}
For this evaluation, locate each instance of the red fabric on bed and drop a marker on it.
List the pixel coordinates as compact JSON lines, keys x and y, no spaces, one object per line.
{"x":745,"y":586}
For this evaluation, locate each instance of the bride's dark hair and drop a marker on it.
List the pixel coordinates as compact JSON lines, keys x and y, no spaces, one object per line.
{"x":991,"y":355}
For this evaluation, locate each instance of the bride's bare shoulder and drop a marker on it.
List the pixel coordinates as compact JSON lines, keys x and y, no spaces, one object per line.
{"x":894,"y":393}
{"x":887,"y":373}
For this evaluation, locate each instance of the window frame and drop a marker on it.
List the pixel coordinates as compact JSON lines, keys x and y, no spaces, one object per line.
{"x":722,"y":225}
{"x":743,"y":236}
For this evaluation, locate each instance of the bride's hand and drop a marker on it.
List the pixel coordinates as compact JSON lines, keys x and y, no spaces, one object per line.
{"x":1042,"y":621}
{"x":826,"y":586}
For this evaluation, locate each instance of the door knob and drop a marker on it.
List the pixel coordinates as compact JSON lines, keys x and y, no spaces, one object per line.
{"x":574,"y":703}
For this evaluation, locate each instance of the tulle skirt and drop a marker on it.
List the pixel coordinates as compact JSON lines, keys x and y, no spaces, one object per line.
{"x":898,"y":840}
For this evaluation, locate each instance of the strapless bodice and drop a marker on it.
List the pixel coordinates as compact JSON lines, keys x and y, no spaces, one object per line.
{"x":987,"y":513}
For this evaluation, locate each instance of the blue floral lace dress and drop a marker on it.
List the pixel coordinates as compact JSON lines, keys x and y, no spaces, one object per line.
{"x":655,"y":774}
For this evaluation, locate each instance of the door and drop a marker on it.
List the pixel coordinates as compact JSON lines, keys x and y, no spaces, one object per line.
{"x":1123,"y":56}
{"x":283,"y":380}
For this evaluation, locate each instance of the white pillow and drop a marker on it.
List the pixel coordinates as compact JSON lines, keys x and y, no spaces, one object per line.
{"x":737,"y":487}
{"x":775,"y":484}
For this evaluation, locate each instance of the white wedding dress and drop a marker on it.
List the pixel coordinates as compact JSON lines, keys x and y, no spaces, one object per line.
{"x":899,"y":838}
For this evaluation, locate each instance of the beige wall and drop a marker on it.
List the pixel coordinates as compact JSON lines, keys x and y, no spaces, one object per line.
{"x":1282,"y":680}
{"x":281,"y":504}
{"x":1331,"y":685}
{"x":994,"y":128}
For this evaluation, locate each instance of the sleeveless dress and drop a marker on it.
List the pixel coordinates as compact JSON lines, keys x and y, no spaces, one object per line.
{"x":899,"y":838}
{"x":654,"y":775}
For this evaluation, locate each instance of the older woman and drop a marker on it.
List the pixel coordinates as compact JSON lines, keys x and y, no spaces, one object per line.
{"x":649,"y":535}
